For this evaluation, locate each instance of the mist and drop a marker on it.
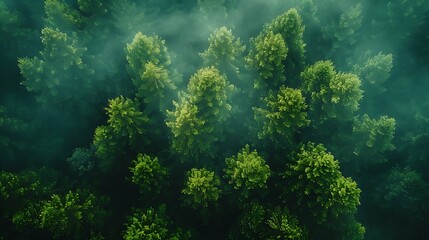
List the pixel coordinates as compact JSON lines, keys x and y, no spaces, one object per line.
{"x":217,"y":82}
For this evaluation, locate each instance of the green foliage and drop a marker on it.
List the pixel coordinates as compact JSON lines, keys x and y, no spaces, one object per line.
{"x":404,"y":190}
{"x":144,"y":49}
{"x":18,"y":189}
{"x":290,"y":26}
{"x":375,"y":71}
{"x":284,"y":114}
{"x":152,"y":224}
{"x":331,"y":95}
{"x":315,"y":179}
{"x":209,"y":91}
{"x":252,"y":221}
{"x":107,"y":146}
{"x":91,"y":6}
{"x":55,"y":74}
{"x":285,"y":226}
{"x":148,"y":174}
{"x":247,"y":171}
{"x":374,"y":136}
{"x":125,"y":118}
{"x":225,"y":52}
{"x":68,"y":215}
{"x":189,"y":131}
{"x":82,"y":160}
{"x":197,"y":122}
{"x":266,"y":56}
{"x":201,"y":188}
{"x":61,"y":16}
{"x":148,"y":62}
{"x":344,"y":31}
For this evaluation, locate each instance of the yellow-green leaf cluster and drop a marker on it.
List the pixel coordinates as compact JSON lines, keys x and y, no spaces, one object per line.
{"x":247,"y":170}
{"x":201,"y":188}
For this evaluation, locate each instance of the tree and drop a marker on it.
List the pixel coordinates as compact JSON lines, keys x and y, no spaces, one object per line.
{"x":59,"y":15}
{"x":126,"y":124}
{"x":314,"y":178}
{"x":374,"y":72}
{"x":374,"y":137}
{"x":125,"y":118}
{"x":17,"y":190}
{"x":148,"y":174}
{"x":331,"y":95}
{"x":342,"y":33}
{"x":284,"y":225}
{"x":225,"y":52}
{"x":189,"y":131}
{"x":149,"y":64}
{"x":247,"y":171}
{"x":284,"y":113}
{"x":198,"y":120}
{"x":201,"y":188}
{"x":289,"y":25}
{"x":266,"y":55}
{"x":404,"y":190}
{"x":209,"y":91}
{"x":152,"y":224}
{"x":107,"y":146}
{"x":71,"y":215}
{"x":82,"y":160}
{"x":56,"y":76}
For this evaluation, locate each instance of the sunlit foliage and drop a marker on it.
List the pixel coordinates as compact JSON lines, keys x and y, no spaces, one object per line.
{"x":201,"y":188}
{"x":266,"y":56}
{"x":284,"y":114}
{"x":331,"y":95}
{"x":315,"y":179}
{"x":247,"y":171}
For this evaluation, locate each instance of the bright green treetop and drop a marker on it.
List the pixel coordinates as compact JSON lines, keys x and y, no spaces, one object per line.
{"x":374,"y":136}
{"x":125,"y":118}
{"x":266,"y":56}
{"x":225,"y":52}
{"x":284,"y":113}
{"x":148,"y":174}
{"x":331,"y":95}
{"x":289,"y":25}
{"x":247,"y":170}
{"x":201,"y":188}
{"x":152,"y":224}
{"x":315,"y":178}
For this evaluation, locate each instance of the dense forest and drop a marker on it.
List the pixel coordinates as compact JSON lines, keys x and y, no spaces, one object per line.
{"x":214,"y":119}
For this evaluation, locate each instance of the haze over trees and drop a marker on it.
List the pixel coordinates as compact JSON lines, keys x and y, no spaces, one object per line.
{"x":208,"y":119}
